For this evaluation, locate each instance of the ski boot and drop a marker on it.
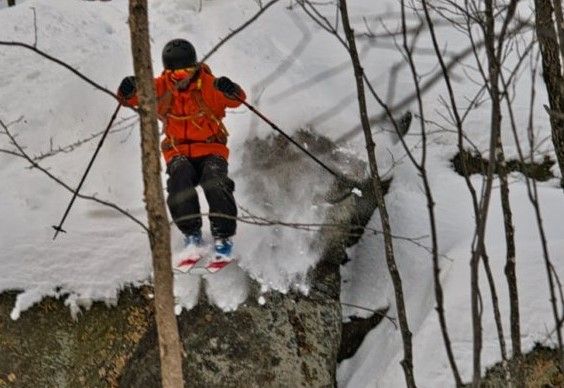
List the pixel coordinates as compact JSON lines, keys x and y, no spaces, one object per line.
{"x":223,"y":250}
{"x":191,"y":254}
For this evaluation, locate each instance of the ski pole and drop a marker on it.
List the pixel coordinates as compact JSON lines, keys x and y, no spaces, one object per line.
{"x":277,"y":128}
{"x":59,"y":228}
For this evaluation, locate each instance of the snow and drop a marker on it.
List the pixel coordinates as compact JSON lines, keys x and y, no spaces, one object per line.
{"x":368,"y":283}
{"x":299,"y":76}
{"x":356,"y":192}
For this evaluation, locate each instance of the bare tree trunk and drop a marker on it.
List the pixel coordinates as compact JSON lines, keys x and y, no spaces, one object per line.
{"x":477,"y":245}
{"x":479,"y":242}
{"x":559,"y":25}
{"x":497,"y":314}
{"x":439,"y":295}
{"x":476,"y":317}
{"x":494,"y":56}
{"x":510,"y":264}
{"x":407,"y":362}
{"x":159,"y":230}
{"x":552,"y":74}
{"x":534,"y":198}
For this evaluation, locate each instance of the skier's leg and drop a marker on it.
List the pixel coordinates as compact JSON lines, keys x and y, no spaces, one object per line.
{"x":182,"y":197}
{"x":218,"y":188}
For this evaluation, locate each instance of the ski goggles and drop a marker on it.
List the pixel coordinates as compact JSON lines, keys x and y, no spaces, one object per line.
{"x":180,"y":74}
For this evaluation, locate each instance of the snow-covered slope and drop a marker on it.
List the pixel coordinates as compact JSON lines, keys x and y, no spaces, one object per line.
{"x":367,"y":282}
{"x":298,"y":75}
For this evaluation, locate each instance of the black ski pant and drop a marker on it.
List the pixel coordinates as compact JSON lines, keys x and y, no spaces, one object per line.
{"x":210,"y":172}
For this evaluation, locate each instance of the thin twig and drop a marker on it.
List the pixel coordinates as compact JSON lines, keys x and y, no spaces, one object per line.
{"x":238,"y":29}
{"x":375,"y":312}
{"x":34,"y":27}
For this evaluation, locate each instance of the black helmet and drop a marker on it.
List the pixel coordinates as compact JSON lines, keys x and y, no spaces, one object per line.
{"x":178,"y":54}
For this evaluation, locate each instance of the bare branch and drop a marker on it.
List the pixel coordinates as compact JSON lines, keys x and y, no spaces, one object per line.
{"x":447,"y":67}
{"x":21,"y":153}
{"x":73,"y":146}
{"x":34,"y":27}
{"x":238,"y":29}
{"x":377,"y":312}
{"x":61,"y":63}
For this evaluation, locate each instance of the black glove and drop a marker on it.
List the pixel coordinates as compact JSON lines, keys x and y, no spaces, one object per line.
{"x":227,"y":87}
{"x":127,"y":87}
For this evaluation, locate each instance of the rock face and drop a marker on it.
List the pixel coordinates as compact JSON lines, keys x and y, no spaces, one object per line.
{"x":288,"y":343}
{"x":46,"y":348}
{"x":291,"y":341}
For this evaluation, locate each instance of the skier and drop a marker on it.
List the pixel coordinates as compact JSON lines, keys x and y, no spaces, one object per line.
{"x":191,"y":104}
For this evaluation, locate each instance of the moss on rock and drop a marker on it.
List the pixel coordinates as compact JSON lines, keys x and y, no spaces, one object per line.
{"x":45,"y":347}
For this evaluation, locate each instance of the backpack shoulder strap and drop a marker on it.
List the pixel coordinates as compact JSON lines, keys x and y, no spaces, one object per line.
{"x":165,"y":101}
{"x":221,"y":137}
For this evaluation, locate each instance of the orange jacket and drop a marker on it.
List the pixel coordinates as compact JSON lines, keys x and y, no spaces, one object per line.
{"x":192,"y":117}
